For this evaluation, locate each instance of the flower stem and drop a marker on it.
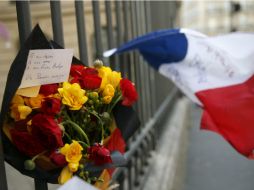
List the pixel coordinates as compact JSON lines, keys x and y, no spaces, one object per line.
{"x":100,"y":122}
{"x":114,"y":104}
{"x":84,"y":144}
{"x":78,"y":129}
{"x":68,"y":136}
{"x":36,"y":156}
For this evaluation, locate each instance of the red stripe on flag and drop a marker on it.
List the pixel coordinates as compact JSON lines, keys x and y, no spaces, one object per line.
{"x":229,"y":111}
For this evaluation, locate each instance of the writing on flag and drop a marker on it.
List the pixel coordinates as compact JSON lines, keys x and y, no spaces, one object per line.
{"x":214,"y":72}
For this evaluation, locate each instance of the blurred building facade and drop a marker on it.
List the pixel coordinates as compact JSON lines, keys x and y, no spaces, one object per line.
{"x":217,"y":17}
{"x":40,"y":13}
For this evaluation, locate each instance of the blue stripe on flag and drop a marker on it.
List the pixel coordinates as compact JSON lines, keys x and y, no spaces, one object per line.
{"x":163,"y":46}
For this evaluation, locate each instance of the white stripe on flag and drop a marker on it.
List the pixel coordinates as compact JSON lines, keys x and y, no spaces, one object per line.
{"x":210,"y":63}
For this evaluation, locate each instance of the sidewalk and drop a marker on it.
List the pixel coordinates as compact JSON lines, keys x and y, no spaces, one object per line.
{"x":212,"y":164}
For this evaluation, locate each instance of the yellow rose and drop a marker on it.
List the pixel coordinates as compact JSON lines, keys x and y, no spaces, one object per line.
{"x":65,"y":175}
{"x":73,"y":154}
{"x":72,"y":95}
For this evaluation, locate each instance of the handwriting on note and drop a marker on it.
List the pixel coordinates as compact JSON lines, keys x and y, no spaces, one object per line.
{"x":47,"y":66}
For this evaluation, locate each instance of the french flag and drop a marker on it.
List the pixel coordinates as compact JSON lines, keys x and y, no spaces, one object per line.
{"x":214,"y":72}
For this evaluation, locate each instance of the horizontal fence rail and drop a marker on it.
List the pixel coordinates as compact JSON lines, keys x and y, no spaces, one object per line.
{"x":124,"y":20}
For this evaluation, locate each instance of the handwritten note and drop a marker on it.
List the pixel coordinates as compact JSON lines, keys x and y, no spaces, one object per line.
{"x":46,"y":67}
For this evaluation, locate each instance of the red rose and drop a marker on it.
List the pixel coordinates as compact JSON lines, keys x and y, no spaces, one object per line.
{"x":89,"y":71}
{"x":21,"y":125}
{"x":51,"y":106}
{"x":58,"y":159}
{"x":47,"y":131}
{"x":116,"y":142}
{"x":129,"y":92}
{"x":90,"y":79}
{"x":76,"y":70}
{"x":26,"y":143}
{"x":48,"y":89}
{"x":76,"y":80}
{"x":99,"y":154}
{"x":91,"y":82}
{"x":87,"y":77}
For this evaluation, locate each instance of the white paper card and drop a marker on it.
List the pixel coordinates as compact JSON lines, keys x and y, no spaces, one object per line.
{"x":76,"y":183}
{"x":47,"y":66}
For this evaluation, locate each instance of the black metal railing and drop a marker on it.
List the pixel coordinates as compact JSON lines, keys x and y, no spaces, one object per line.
{"x":132,"y":18}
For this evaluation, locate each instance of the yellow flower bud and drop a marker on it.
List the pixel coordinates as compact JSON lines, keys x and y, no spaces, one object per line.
{"x":94,"y":95}
{"x":107,"y":99}
{"x":65,"y":175}
{"x":98,"y":63}
{"x":108,"y":91}
{"x":73,"y":166}
{"x":104,"y":72}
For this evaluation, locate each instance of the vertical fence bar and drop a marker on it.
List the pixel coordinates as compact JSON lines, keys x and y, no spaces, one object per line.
{"x":130,"y":175}
{"x":136,"y":169}
{"x":79,"y":7}
{"x":125,"y":63}
{"x":119,"y":21}
{"x":57,"y":25}
{"x":111,"y":41}
{"x":148,"y":83}
{"x":144,"y":65}
{"x":151,"y":70}
{"x":40,"y":185}
{"x":97,"y":29}
{"x":24,"y":20}
{"x":3,"y":179}
{"x":133,"y":62}
{"x":110,"y":33}
{"x":120,"y":31}
{"x":140,"y":64}
{"x":136,"y":60}
{"x":128,"y":36}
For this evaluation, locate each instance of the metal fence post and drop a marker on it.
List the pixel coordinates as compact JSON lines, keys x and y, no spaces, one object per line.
{"x":97,"y":29}
{"x":79,"y":6}
{"x":3,"y":180}
{"x":110,"y":32}
{"x":40,"y":185}
{"x":57,"y":25}
{"x":24,"y":20}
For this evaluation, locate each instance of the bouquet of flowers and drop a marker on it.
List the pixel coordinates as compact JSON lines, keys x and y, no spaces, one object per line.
{"x":78,"y":127}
